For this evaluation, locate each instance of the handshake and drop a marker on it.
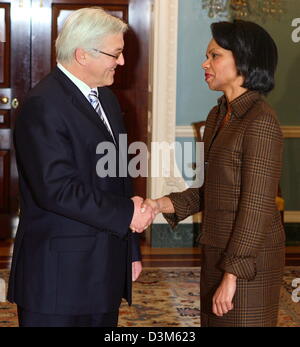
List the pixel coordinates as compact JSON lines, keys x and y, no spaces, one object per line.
{"x":144,"y":213}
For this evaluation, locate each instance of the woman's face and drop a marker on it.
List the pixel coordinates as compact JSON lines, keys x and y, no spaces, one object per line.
{"x":220,"y":69}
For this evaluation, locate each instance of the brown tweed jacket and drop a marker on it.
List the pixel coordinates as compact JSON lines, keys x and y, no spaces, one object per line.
{"x":243,"y":163}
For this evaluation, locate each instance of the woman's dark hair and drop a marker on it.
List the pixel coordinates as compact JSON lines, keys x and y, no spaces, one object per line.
{"x":254,"y":51}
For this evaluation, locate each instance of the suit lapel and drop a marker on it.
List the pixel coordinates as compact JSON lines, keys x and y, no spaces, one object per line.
{"x":218,"y":117}
{"x":88,"y":110}
{"x":80,"y":102}
{"x":110,"y":114}
{"x":211,"y":137}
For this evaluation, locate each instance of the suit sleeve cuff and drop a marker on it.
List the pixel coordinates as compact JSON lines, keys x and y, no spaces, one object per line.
{"x":173,"y":218}
{"x":242,"y":267}
{"x":136,"y":251}
{"x":186,"y":204}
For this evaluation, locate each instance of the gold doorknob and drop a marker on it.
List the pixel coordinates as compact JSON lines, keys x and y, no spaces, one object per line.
{"x":4,"y":100}
{"x":15,"y":103}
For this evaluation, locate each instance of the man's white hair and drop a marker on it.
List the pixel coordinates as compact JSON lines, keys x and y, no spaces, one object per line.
{"x":85,"y":28}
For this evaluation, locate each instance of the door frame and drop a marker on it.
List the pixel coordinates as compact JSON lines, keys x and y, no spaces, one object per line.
{"x":163,"y":86}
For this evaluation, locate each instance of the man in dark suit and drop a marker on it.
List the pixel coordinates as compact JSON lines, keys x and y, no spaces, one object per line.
{"x":75,"y":255}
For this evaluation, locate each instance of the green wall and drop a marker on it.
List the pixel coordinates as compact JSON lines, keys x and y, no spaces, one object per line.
{"x":285,"y":97}
{"x":291,"y":174}
{"x":194,"y":99}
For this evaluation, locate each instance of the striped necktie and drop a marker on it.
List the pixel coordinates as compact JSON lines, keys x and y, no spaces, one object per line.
{"x":94,"y":100}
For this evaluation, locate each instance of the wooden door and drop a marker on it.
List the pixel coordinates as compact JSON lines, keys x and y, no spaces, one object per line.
{"x":131,"y":81}
{"x":14,"y":83}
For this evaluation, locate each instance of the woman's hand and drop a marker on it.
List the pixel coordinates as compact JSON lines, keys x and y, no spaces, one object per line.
{"x":153,"y":204}
{"x":161,"y":205}
{"x":222,"y":300}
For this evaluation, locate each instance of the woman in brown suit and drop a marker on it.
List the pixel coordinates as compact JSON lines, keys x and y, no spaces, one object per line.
{"x":242,"y":235}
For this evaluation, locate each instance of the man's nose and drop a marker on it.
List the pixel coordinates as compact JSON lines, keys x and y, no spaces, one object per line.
{"x":121,"y":60}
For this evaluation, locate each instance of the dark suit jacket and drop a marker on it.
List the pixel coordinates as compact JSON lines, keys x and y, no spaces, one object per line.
{"x":243,"y":164}
{"x":73,"y":249}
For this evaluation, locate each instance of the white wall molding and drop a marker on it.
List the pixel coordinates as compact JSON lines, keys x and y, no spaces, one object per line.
{"x":289,"y":131}
{"x":292,"y":216}
{"x":164,"y":78}
{"x":185,"y":131}
{"x":289,"y":217}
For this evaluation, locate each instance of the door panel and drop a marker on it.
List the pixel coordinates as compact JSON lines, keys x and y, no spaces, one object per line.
{"x":4,"y":174}
{"x":4,"y":44}
{"x":4,"y":119}
{"x":5,"y":96}
{"x":14,"y":84}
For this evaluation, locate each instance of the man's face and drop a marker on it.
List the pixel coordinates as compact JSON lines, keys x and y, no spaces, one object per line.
{"x":101,"y":68}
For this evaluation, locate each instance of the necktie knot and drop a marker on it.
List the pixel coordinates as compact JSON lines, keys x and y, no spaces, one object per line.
{"x":93,"y":98}
{"x":93,"y":93}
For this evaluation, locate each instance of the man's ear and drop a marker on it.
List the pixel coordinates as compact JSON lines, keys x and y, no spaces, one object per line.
{"x":81,"y":56}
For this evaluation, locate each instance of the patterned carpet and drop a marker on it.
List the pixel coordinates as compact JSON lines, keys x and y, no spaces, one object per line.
{"x":289,"y":311}
{"x":170,"y":297}
{"x":164,"y":297}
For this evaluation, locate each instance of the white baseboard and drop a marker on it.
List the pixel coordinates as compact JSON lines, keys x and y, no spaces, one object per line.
{"x":288,"y":131}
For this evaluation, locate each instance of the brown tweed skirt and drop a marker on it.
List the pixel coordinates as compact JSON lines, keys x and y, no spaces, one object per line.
{"x":255,"y":302}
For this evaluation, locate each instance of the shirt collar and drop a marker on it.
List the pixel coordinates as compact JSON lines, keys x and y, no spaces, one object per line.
{"x":241,"y":104}
{"x":83,"y":87}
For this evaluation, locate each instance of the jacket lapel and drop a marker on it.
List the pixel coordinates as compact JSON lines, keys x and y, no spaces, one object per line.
{"x":114,"y":122}
{"x":220,"y":113}
{"x":88,"y":110}
{"x":80,"y":102}
{"x":239,"y":106}
{"x":213,"y":133}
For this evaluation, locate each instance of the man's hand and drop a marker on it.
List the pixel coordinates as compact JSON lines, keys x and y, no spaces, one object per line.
{"x":136,"y":270}
{"x":142,"y":216}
